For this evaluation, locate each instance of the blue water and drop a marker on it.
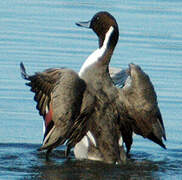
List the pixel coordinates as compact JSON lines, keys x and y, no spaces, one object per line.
{"x":43,"y":34}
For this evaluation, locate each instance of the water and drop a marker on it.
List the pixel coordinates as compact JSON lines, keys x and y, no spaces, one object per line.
{"x":42,"y":34}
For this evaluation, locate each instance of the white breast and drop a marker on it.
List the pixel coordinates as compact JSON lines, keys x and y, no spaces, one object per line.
{"x":97,"y":54}
{"x":81,"y":148}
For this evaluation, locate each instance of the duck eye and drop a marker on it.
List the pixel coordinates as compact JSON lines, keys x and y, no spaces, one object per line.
{"x":97,"y":18}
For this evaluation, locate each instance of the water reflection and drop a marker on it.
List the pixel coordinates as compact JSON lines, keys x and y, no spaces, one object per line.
{"x":22,"y":160}
{"x":95,"y":170}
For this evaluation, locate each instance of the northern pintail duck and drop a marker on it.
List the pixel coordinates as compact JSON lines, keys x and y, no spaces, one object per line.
{"x":87,"y":111}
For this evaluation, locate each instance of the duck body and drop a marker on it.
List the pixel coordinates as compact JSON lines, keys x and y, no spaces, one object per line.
{"x":103,"y":124}
{"x":86,"y":110}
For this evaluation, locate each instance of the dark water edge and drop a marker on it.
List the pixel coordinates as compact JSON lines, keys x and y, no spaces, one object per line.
{"x":23,"y":161}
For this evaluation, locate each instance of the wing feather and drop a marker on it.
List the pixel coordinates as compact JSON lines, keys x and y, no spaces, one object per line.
{"x":42,"y":85}
{"x":59,"y":95}
{"x":140,"y":103}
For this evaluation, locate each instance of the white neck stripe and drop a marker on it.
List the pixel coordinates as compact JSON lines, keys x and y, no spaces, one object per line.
{"x":107,"y":37}
{"x":98,"y":53}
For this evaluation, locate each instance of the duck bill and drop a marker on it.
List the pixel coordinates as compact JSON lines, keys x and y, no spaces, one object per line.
{"x":85,"y":24}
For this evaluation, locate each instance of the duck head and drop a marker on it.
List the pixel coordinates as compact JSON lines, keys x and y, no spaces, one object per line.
{"x":101,"y":23}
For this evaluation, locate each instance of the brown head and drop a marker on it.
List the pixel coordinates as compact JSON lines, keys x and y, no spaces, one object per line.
{"x":100,"y":24}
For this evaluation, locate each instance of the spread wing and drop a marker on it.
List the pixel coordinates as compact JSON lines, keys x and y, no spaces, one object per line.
{"x":140,"y":106}
{"x":118,"y":76}
{"x":59,"y":94}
